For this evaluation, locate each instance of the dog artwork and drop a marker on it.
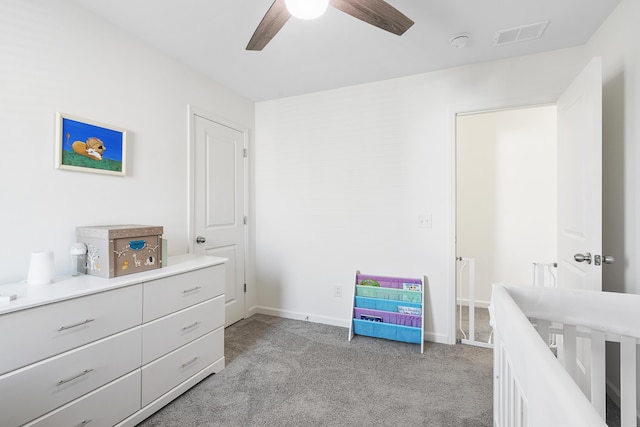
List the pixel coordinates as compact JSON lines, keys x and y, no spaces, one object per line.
{"x":93,"y":148}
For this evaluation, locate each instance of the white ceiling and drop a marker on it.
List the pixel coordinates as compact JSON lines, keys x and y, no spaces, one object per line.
{"x":338,"y":50}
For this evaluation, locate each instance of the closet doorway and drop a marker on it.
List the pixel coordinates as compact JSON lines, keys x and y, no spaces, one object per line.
{"x":506,"y":205}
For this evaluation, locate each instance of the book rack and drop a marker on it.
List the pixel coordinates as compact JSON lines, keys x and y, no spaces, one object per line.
{"x":388,"y":307}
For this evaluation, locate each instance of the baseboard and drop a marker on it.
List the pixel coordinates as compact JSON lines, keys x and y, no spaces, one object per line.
{"x":437,"y":338}
{"x":343,"y":323}
{"x":479,"y":304}
{"x":253,"y":310}
{"x":303,"y":316}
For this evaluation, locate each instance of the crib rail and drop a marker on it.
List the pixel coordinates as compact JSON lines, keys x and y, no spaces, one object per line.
{"x":534,"y":388}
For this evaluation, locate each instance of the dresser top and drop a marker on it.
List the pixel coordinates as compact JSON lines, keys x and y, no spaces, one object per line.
{"x":67,"y":287}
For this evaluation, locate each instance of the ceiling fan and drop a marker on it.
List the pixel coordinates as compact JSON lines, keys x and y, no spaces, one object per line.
{"x":375,"y":12}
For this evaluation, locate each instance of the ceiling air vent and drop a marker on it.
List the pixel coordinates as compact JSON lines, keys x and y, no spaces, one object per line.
{"x":520,"y":34}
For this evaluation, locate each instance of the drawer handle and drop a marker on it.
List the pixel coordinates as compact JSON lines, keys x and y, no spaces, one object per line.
{"x":85,"y":372}
{"x":188,"y":291}
{"x":75,"y":325}
{"x":190,"y":362}
{"x":84,"y":422}
{"x":193,"y":325}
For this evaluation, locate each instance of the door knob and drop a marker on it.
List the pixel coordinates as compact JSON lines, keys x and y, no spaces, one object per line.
{"x":200,"y":240}
{"x":583,"y":258}
{"x":603,"y":259}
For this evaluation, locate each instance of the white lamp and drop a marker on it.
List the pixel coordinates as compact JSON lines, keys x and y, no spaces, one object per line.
{"x":306,"y":9}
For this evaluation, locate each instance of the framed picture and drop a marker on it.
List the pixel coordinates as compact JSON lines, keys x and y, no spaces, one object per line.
{"x":87,"y":146}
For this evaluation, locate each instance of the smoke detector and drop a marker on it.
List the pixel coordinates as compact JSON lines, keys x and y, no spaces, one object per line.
{"x":460,"y":40}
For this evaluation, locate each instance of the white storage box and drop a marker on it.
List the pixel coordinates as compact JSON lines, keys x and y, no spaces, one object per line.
{"x":116,"y":250}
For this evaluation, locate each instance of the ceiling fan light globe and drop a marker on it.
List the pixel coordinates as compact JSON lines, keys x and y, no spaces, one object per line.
{"x":306,"y":9}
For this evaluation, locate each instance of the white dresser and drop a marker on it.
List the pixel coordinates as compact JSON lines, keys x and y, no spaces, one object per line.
{"x":89,"y":351}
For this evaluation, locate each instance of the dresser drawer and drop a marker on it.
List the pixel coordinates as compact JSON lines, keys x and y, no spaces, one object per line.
{"x":170,"y":332}
{"x":167,"y":372}
{"x":105,"y":406}
{"x":170,"y":294}
{"x":37,"y":333}
{"x":29,"y":392}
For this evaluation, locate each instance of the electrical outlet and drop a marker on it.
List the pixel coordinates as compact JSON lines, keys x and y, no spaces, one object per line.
{"x":337,"y":291}
{"x":424,"y":221}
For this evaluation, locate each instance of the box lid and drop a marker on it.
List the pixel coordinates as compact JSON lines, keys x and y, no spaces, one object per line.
{"x":118,"y":231}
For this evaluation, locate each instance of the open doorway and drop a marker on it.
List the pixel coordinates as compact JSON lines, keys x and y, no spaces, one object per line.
{"x":506,"y":206}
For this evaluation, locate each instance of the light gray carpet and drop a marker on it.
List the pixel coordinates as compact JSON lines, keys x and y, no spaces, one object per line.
{"x":283,"y":372}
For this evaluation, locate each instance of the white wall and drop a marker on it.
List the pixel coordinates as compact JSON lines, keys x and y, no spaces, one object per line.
{"x":54,"y":56}
{"x":342,"y":176}
{"x":506,"y":195}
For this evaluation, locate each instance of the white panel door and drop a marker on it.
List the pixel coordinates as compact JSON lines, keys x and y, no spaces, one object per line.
{"x":580,"y":179}
{"x":219,"y":204}
{"x":580,"y":194}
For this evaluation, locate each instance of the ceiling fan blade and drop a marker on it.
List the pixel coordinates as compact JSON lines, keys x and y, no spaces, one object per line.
{"x":375,"y":12}
{"x":271,"y":23}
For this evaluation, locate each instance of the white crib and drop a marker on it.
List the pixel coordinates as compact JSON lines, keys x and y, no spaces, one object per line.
{"x":533,"y":387}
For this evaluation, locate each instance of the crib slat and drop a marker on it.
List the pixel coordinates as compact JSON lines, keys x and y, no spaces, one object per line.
{"x":570,"y":354}
{"x":598,"y":372}
{"x":497,"y":373}
{"x":543,"y":330}
{"x":510,"y":399}
{"x":499,"y":412}
{"x":628,"y":381}
{"x":502,"y":384}
{"x":518,"y":409}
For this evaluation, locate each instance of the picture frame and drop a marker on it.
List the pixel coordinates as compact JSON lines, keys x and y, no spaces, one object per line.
{"x":88,"y":146}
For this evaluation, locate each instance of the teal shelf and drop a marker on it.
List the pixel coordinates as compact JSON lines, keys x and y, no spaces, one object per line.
{"x":387,"y":331}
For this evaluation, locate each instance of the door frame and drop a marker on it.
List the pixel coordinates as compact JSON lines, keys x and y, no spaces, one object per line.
{"x":192,"y":112}
{"x":453,"y":112}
